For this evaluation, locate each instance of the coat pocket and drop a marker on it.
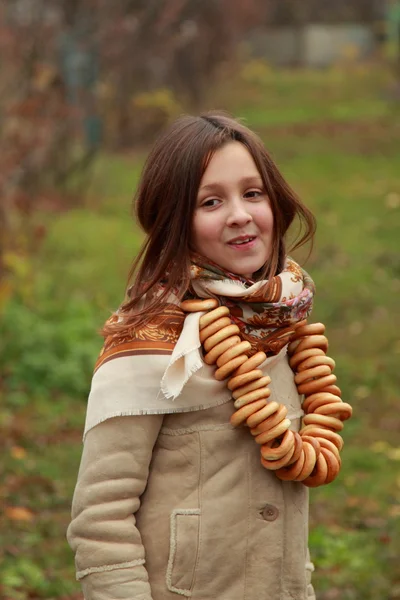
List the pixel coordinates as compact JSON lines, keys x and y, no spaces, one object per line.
{"x":184,"y":539}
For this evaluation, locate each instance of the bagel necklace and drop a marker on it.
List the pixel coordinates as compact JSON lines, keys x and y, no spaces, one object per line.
{"x":311,"y":455}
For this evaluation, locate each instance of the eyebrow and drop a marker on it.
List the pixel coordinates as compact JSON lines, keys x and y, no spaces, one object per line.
{"x":245,"y":180}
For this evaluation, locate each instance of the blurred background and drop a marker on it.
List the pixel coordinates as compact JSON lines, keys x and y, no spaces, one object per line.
{"x":86,"y":85}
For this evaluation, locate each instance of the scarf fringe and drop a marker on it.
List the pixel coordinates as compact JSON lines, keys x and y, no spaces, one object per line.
{"x":137,"y":412}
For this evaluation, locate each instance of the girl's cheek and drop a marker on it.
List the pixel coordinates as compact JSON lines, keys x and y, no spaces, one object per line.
{"x":263,"y":214}
{"x":209,"y":227}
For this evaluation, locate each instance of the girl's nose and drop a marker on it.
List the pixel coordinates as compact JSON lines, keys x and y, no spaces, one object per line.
{"x":238,"y":215}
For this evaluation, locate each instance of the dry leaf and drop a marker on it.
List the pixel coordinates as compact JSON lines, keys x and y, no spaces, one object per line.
{"x":19,"y":513}
{"x":393,"y":453}
{"x":18,"y":452}
{"x":392,"y":200}
{"x":394,"y":511}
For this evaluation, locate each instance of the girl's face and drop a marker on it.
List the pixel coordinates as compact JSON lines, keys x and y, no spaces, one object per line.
{"x":233,"y":220}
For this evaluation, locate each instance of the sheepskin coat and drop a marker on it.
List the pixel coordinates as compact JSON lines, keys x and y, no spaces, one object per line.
{"x":178,"y":504}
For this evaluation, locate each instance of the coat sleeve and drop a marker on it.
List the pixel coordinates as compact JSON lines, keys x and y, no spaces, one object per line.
{"x":109,"y":553}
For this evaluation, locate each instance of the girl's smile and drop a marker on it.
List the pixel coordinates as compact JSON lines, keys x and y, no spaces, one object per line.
{"x":233,"y":220}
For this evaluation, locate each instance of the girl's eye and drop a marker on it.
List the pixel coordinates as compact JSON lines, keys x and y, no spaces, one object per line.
{"x":253,"y":194}
{"x":211,"y":202}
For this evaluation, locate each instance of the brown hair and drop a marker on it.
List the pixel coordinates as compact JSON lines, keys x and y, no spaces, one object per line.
{"x":165,"y":202}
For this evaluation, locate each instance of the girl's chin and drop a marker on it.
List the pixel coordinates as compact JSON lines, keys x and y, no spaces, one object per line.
{"x":245,"y":270}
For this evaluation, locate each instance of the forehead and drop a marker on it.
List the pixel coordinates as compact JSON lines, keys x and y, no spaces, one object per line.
{"x":232,"y":162}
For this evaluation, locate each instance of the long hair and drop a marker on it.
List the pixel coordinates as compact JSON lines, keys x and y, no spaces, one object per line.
{"x":165,"y":202}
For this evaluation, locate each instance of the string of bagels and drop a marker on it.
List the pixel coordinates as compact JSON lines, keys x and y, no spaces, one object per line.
{"x":311,"y":455}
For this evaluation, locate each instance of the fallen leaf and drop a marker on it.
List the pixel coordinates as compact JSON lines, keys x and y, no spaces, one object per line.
{"x":362,"y":392}
{"x":354,"y":501}
{"x":392,"y":200}
{"x":18,"y":452}
{"x":394,"y":511}
{"x":380,"y":446}
{"x":393,"y":453}
{"x":19,"y":513}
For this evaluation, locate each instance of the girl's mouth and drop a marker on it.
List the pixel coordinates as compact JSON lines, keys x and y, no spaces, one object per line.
{"x":243,"y":244}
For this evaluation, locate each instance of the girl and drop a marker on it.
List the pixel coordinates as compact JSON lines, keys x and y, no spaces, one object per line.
{"x":171,"y":499}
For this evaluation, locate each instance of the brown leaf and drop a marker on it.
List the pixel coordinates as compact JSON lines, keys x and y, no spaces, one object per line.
{"x":19,"y":513}
{"x":18,"y":452}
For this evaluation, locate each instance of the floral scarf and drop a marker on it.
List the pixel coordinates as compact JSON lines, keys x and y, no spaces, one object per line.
{"x":265,"y":319}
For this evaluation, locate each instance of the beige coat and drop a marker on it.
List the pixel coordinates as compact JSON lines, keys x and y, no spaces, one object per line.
{"x":179,"y":505}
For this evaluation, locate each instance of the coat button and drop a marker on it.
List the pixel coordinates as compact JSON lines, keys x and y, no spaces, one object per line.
{"x":270,"y":513}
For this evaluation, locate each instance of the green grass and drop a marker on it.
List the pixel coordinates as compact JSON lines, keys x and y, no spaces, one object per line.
{"x":334,"y":135}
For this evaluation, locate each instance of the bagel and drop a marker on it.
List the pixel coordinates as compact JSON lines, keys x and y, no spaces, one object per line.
{"x":228,"y":368}
{"x":259,"y":427}
{"x":220,"y":336}
{"x":212,"y":356}
{"x":241,"y":415}
{"x":250,"y":387}
{"x":232,"y":352}
{"x":213,"y":315}
{"x":252,"y":396}
{"x":239,"y":380}
{"x":199,"y":305}
{"x":254,"y":361}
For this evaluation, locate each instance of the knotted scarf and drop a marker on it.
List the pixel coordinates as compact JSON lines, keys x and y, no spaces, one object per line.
{"x":265,"y":317}
{"x":142,"y":370}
